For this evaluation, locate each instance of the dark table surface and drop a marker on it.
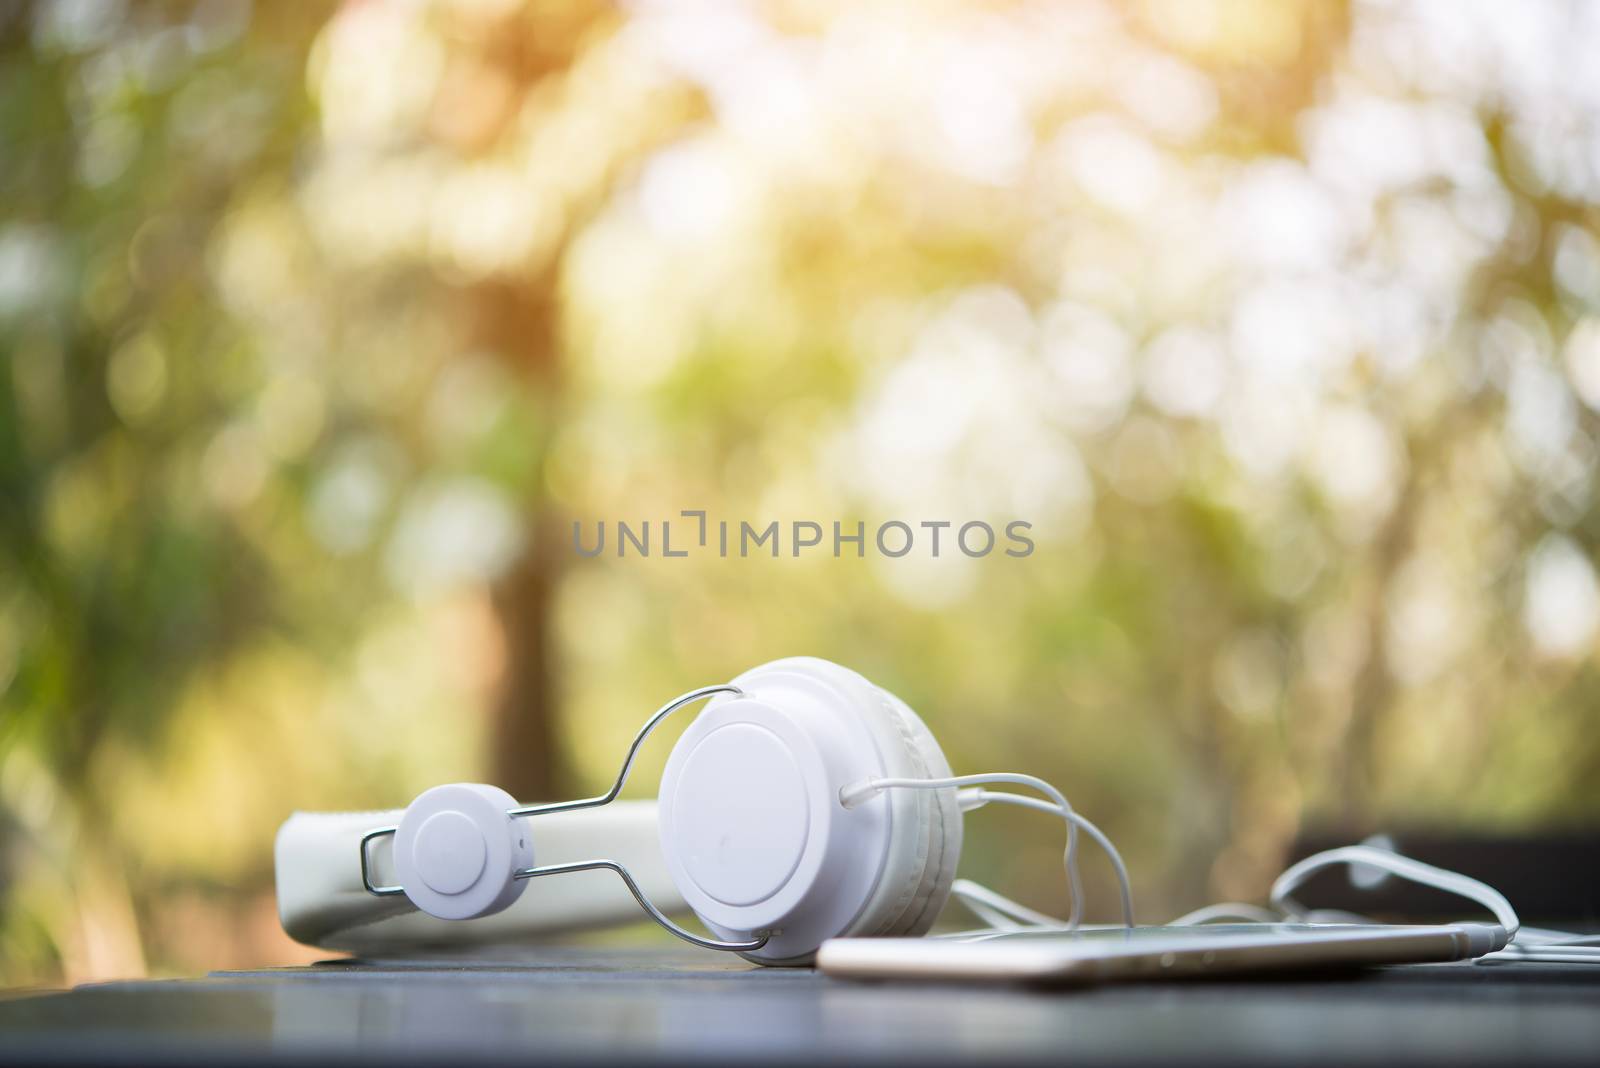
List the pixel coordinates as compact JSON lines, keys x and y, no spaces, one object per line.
{"x":641,"y":1006}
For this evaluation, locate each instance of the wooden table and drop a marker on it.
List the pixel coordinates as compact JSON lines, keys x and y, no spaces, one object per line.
{"x":562,"y":1005}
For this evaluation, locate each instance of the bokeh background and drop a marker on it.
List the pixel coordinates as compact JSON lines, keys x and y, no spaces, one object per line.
{"x":322,"y":323}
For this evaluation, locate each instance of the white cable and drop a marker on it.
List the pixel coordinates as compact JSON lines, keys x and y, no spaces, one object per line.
{"x":988,"y":904}
{"x":1330,"y":916}
{"x":1544,"y":936}
{"x":1395,"y":864}
{"x":853,"y":795}
{"x":1580,"y":950}
{"x":1124,"y":884}
{"x":1007,"y":916}
{"x":1224,"y":912}
{"x":1057,"y":805}
{"x":1532,"y":943}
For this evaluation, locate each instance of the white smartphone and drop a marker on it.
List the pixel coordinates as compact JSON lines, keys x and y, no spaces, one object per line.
{"x":1102,"y":954}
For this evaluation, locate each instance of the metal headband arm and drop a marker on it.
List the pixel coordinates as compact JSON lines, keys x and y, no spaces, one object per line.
{"x":633,"y":750}
{"x":591,"y":802}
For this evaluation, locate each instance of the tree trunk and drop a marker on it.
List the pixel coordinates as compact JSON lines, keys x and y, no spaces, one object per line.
{"x":525,"y":758}
{"x":521,"y":322}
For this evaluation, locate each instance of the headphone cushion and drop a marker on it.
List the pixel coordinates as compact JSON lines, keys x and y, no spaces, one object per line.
{"x":944,"y":828}
{"x":925,"y":844}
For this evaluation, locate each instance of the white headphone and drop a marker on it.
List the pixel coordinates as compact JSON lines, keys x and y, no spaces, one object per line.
{"x":779,"y":817}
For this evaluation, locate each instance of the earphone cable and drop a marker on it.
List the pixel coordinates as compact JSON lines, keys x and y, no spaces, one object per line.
{"x":853,"y":795}
{"x":997,"y":910}
{"x":1395,"y":864}
{"x":1522,"y":943}
{"x":994,"y":909}
{"x":1124,"y":884}
{"x":1057,"y":805}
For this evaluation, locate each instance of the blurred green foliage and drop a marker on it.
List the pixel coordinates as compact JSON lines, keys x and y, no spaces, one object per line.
{"x":322,"y":323}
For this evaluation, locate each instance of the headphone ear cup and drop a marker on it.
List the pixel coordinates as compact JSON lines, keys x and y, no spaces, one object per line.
{"x":456,"y":851}
{"x":942,"y":827}
{"x":754,"y":832}
{"x":925,"y":837}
